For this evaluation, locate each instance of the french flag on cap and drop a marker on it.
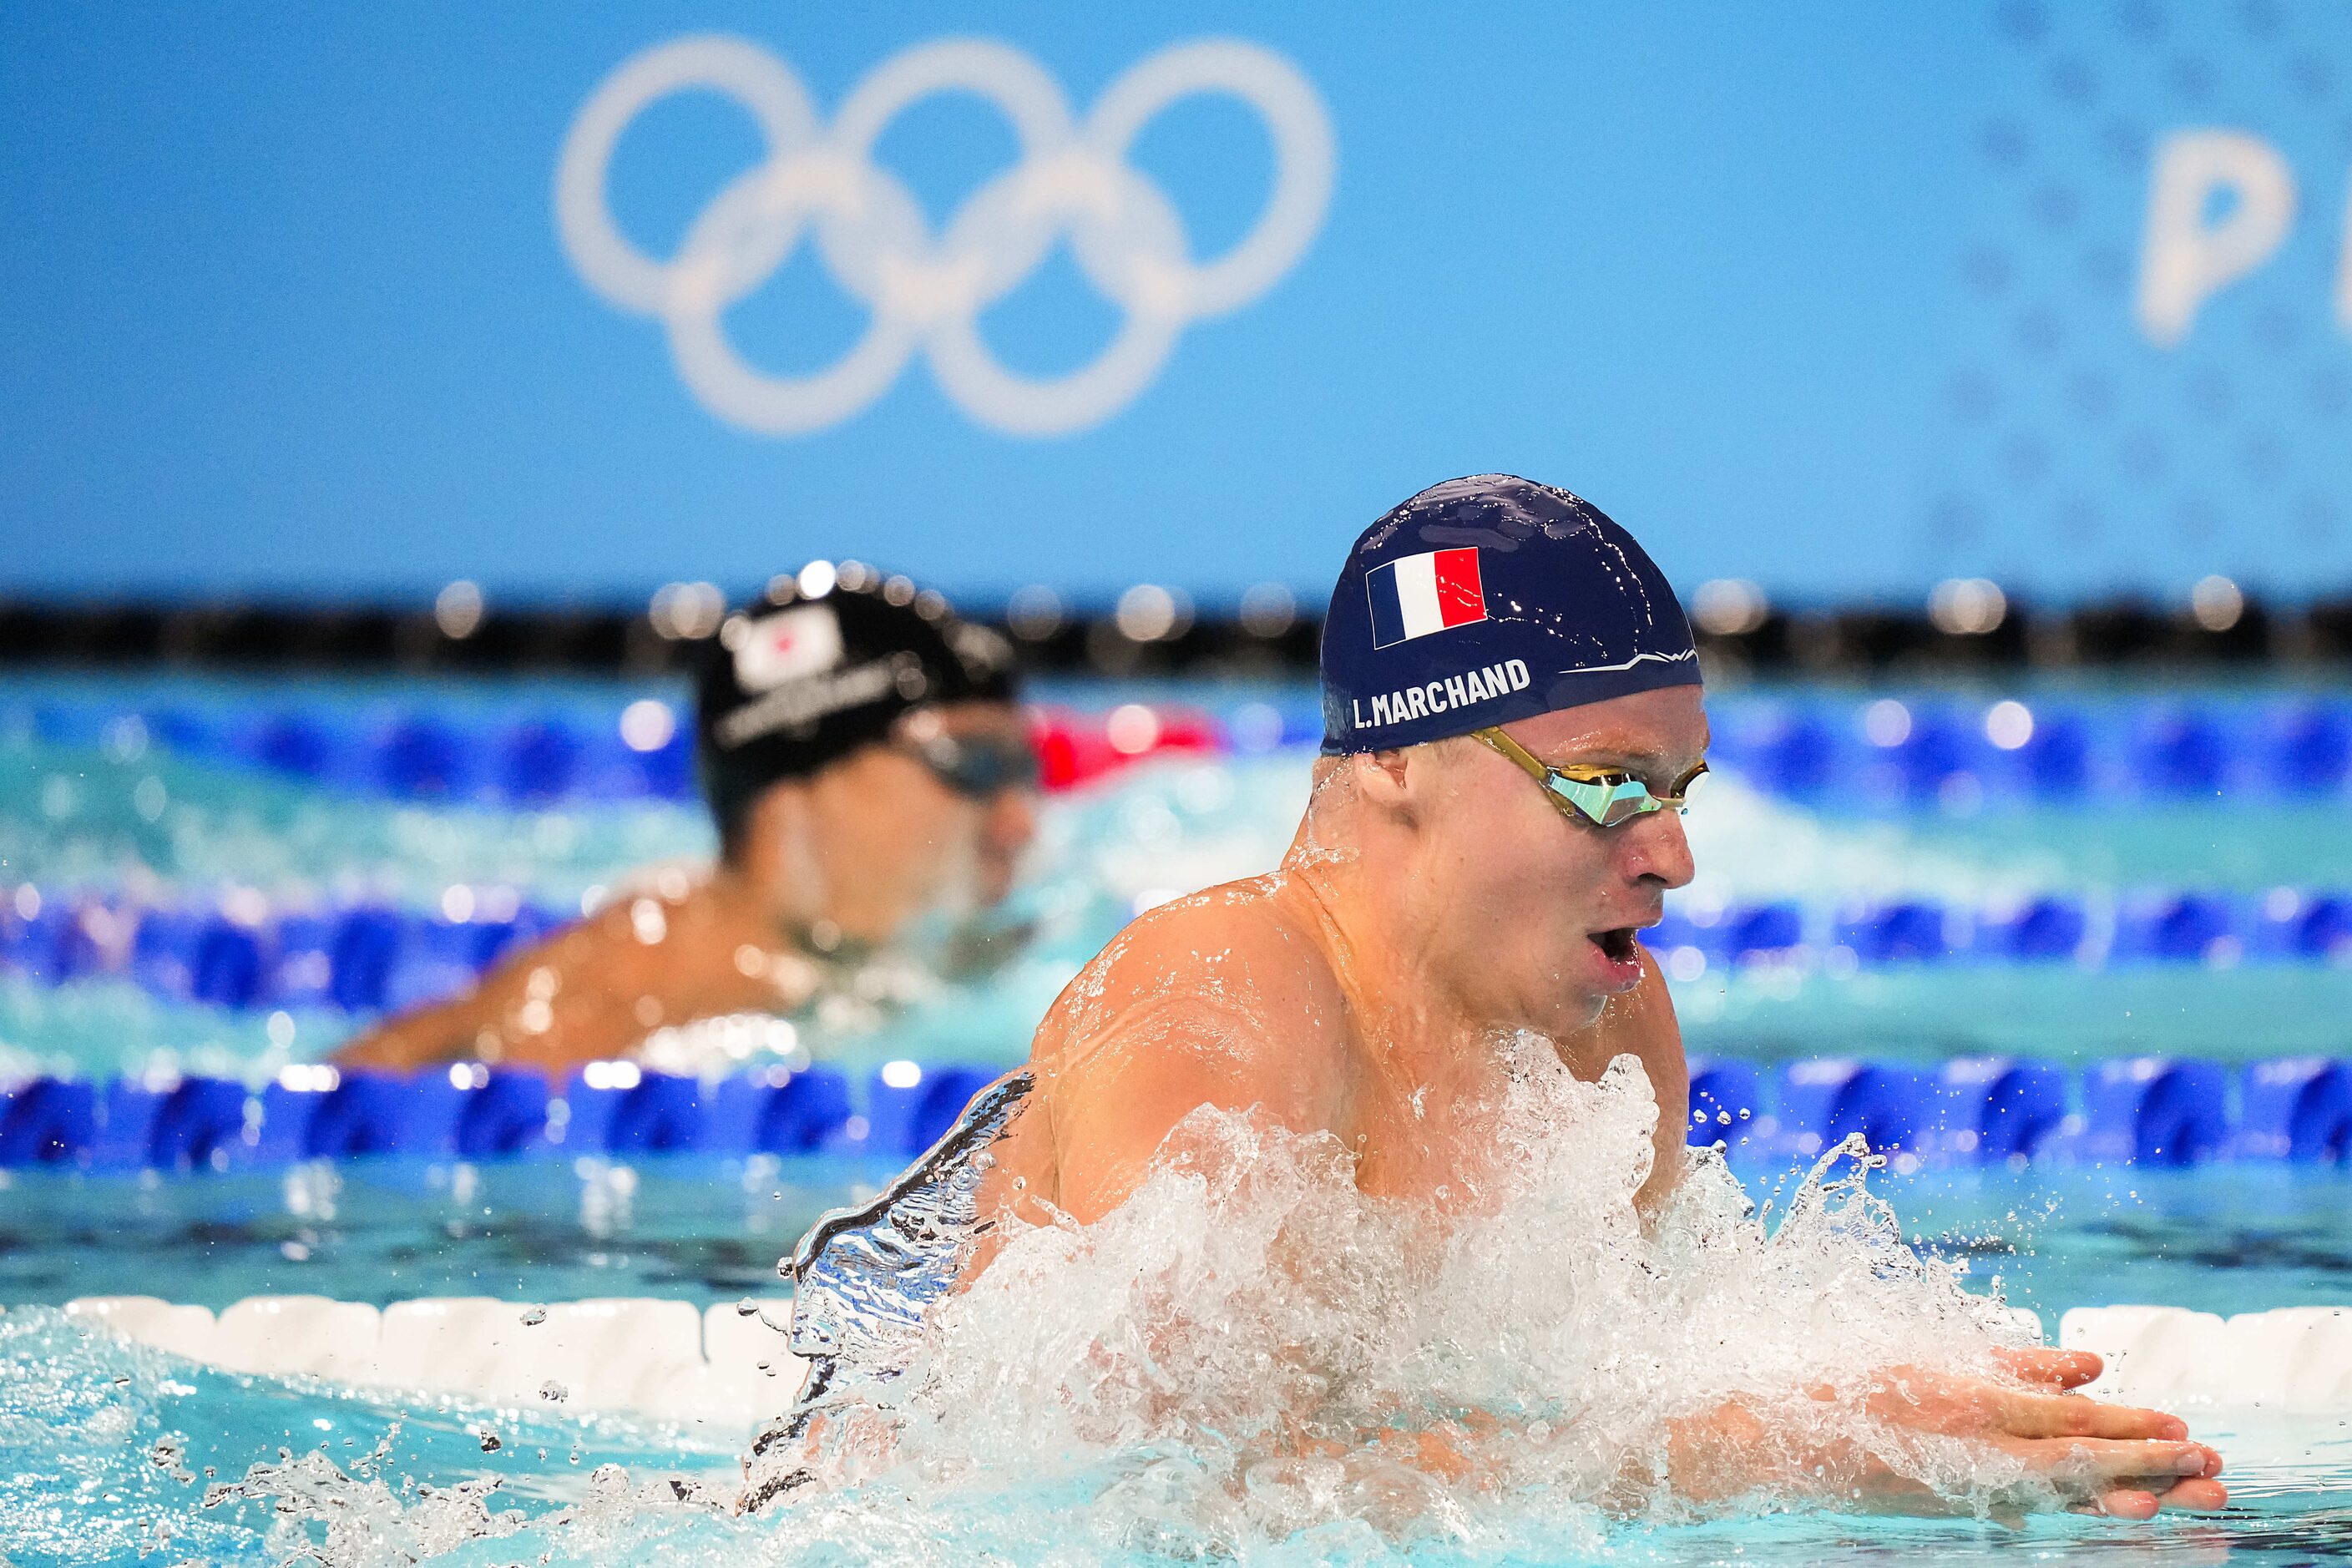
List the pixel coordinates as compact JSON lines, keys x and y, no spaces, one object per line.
{"x":1417,"y":595}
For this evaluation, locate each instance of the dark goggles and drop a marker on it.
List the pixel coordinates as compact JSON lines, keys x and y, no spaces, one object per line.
{"x":978,"y":767}
{"x":1602,"y":796}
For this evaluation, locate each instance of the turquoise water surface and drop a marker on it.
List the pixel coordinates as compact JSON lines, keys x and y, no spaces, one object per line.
{"x":105,"y":1448}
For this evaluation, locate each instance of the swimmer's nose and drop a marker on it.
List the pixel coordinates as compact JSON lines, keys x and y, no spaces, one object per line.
{"x":1659,"y":850}
{"x":1011,"y":822}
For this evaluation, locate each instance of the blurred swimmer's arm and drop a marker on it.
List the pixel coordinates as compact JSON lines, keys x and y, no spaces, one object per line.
{"x":568,"y":1000}
{"x":1641,"y":1024}
{"x":594,"y":991}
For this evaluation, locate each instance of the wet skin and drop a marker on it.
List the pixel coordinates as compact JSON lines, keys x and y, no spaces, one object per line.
{"x":1433,"y":899}
{"x":851,"y":854}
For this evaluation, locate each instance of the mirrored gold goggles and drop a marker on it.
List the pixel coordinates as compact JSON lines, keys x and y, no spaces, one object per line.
{"x":1602,"y":796}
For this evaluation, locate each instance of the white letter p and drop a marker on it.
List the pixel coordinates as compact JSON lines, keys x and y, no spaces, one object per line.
{"x":2183,"y":260}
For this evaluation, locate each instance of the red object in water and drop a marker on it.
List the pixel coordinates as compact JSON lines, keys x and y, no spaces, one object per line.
{"x":1076,"y":749}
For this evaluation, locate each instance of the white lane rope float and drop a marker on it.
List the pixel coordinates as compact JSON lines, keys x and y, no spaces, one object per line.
{"x":666,"y":1361}
{"x":924,"y":293}
{"x":729,"y":1368}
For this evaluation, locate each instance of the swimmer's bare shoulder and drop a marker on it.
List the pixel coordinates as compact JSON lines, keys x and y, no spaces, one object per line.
{"x":1226,"y":998}
{"x":596,"y":988}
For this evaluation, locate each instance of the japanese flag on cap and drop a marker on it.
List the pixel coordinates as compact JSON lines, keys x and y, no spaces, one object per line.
{"x":787,"y":646}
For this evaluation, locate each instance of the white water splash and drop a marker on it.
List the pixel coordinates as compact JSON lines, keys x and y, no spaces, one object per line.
{"x":1250,"y":1360}
{"x":1249,"y":1348}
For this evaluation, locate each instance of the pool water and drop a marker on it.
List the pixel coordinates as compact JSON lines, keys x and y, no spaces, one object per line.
{"x":81,"y":1416}
{"x":2232,"y":1237}
{"x":84,"y":1414}
{"x":117,"y":1454}
{"x":137,"y":824}
{"x":113,"y":1452}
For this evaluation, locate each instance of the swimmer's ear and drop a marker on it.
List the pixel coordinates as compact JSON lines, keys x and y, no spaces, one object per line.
{"x":1380,"y":777}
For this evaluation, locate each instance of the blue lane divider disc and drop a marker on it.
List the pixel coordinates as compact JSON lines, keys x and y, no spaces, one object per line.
{"x":49,"y":1121}
{"x":2183,"y":751}
{"x":200,"y":1124}
{"x":127,"y":1113}
{"x":503,"y":1116}
{"x":2312,"y":746}
{"x":2180,"y":928}
{"x":1725,"y":1097}
{"x":1825,"y":1099}
{"x":2295,"y":1107}
{"x":2047,"y":928}
{"x":2054,"y":764}
{"x":418,"y":757}
{"x":805,"y":1113}
{"x":303,"y":962}
{"x":662,"y":1114}
{"x":1997,"y":1108}
{"x":2155,"y":1111}
{"x":538,"y":761}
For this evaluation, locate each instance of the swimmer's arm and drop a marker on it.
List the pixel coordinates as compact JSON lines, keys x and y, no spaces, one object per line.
{"x":591,"y":992}
{"x":419,"y":1039}
{"x":496,"y":1021}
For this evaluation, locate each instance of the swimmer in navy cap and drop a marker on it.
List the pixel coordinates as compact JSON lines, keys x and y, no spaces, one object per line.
{"x":1490,"y":599}
{"x":1512,"y":718}
{"x":865,"y":765}
{"x":1513,"y":721}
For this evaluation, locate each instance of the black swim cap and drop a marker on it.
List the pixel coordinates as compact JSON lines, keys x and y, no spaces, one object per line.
{"x":821,"y":663}
{"x":1487,"y":599}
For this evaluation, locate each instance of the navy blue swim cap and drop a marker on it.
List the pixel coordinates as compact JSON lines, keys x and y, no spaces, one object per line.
{"x":1487,"y":599}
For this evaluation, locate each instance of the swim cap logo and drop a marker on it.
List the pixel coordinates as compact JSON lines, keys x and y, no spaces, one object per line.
{"x":1415,"y":596}
{"x":926,"y":293}
{"x":790,"y":645}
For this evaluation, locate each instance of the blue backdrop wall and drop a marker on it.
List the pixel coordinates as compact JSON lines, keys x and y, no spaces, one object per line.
{"x":1844,"y":298}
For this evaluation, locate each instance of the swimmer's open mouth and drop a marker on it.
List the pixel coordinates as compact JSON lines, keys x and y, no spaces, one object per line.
{"x":1617,"y":943}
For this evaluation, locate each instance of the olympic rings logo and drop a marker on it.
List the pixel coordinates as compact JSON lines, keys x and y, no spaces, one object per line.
{"x":925,"y":292}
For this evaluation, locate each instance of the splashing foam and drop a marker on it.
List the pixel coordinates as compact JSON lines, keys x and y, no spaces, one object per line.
{"x":1249,"y":1348}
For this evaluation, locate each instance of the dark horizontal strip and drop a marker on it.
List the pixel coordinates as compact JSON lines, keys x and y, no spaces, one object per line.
{"x":607,"y":640}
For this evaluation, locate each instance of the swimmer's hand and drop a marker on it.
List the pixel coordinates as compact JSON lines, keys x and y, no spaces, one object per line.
{"x":2113,"y":1459}
{"x":2105,"y":1459}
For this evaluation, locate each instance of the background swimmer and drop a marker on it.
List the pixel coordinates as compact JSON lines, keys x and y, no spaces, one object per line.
{"x":864,"y":763}
{"x":1438,"y":906}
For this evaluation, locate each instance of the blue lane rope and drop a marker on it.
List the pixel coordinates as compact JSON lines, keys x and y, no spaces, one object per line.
{"x":1904,"y":748}
{"x":368,"y":958}
{"x":2142,"y":1110}
{"x":469,"y":1112}
{"x":2145,"y":1111}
